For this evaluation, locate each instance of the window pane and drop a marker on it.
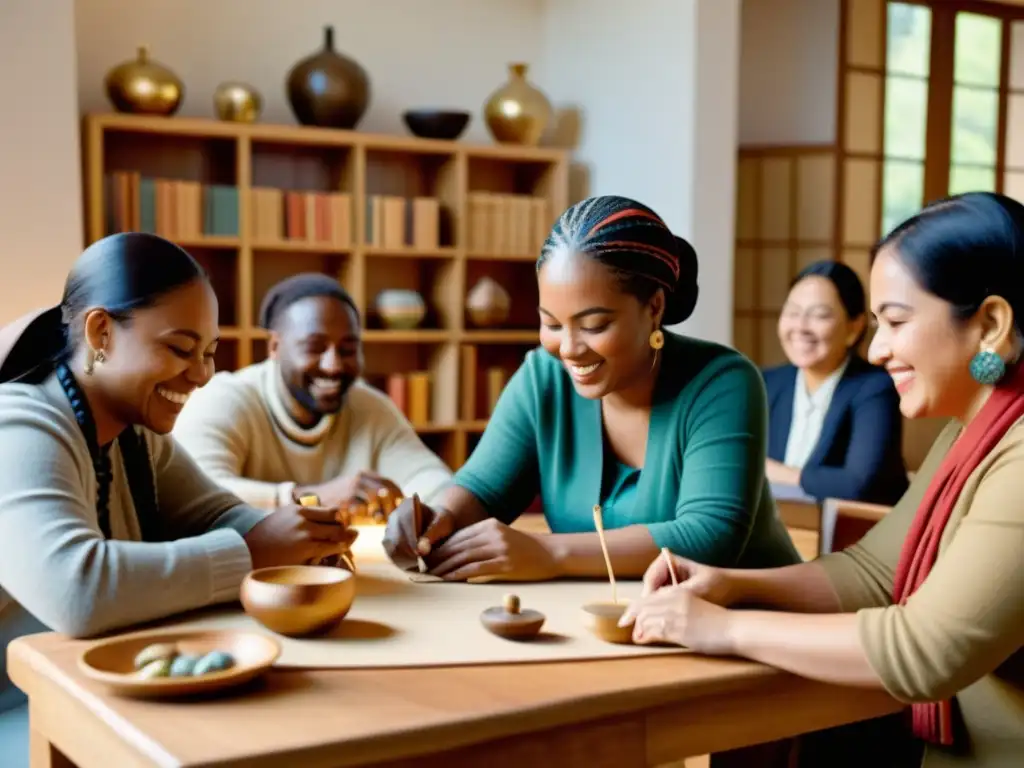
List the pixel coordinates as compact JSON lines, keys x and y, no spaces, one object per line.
{"x":971,"y":180}
{"x":975,"y":120}
{"x":902,"y":192}
{"x":978,"y":49}
{"x":909,"y":31}
{"x":906,"y":117}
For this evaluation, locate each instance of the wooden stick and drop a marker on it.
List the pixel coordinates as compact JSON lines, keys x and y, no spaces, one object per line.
{"x":604,"y":548}
{"x":671,"y":566}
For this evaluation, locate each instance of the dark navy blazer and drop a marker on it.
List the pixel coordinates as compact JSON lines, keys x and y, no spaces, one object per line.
{"x":859,"y":454}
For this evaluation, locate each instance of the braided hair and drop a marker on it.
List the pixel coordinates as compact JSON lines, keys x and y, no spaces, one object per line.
{"x":119,"y":274}
{"x":637,"y":246}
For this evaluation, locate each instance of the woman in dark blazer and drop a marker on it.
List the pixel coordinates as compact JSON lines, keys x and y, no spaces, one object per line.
{"x":835,"y":428}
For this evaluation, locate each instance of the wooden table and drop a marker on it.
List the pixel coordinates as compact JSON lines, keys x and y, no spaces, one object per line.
{"x":631,"y":712}
{"x":625,"y":713}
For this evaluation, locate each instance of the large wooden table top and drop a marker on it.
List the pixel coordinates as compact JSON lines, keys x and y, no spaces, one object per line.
{"x":637,"y":711}
{"x":630,"y":712}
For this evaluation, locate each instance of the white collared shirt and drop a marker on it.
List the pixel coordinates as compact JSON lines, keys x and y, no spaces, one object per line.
{"x":808,"y":416}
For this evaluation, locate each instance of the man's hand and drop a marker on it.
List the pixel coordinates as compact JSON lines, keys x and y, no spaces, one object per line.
{"x":364,"y":494}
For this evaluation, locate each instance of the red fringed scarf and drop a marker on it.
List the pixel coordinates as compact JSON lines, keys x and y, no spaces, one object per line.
{"x":934,"y":721}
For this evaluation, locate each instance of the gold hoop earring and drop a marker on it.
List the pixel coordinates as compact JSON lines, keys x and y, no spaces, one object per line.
{"x":657,"y":339}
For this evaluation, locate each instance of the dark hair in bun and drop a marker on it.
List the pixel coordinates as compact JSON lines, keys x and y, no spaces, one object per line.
{"x":964,"y":249}
{"x":636,"y":245}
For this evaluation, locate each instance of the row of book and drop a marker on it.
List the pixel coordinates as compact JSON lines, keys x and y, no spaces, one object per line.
{"x":507,"y":225}
{"x":410,"y":392}
{"x":324,"y":218}
{"x":172,"y":208}
{"x":498,"y":224}
{"x":393,"y":221}
{"x":495,"y":378}
{"x":327,"y":218}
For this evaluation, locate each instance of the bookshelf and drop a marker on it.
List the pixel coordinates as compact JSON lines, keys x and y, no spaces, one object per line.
{"x":255,"y":203}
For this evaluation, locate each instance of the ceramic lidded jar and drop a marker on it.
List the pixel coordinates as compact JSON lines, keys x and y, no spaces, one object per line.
{"x":144,"y":87}
{"x":400,"y":309}
{"x":518,"y":112}
{"x":488,"y":303}
{"x":328,"y":89}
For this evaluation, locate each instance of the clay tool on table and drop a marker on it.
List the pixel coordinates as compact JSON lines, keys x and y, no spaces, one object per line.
{"x":599,"y":526}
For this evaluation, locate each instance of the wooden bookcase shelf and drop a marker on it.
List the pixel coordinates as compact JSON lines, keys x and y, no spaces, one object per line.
{"x":255,"y":203}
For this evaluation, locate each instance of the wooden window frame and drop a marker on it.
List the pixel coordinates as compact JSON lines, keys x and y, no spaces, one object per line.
{"x":940,"y":79}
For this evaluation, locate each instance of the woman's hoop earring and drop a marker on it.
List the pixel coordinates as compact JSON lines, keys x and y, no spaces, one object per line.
{"x":657,"y":339}
{"x":987,"y":367}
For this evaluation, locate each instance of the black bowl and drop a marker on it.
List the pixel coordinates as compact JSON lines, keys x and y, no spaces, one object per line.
{"x":436,"y":123}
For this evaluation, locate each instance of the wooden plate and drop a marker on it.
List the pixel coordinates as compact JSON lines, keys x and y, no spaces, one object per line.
{"x":111,"y":661}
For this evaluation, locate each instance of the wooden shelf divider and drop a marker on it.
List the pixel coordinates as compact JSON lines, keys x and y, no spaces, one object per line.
{"x":255,"y":203}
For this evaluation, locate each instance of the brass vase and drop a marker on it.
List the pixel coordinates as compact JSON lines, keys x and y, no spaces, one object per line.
{"x":144,"y":87}
{"x":518,"y":112}
{"x":328,"y":89}
{"x":237,"y":102}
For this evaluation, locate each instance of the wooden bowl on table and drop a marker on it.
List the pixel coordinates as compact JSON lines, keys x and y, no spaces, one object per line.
{"x":602,"y":619}
{"x":116,"y":662}
{"x":297,"y":600}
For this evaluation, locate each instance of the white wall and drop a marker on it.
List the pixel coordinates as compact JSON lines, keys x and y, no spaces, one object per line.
{"x":655,"y":88}
{"x":441,"y":53}
{"x":788,"y":71}
{"x":657,"y":97}
{"x":40,"y":187}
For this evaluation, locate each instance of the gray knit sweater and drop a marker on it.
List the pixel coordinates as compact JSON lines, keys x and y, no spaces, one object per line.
{"x":56,"y":569}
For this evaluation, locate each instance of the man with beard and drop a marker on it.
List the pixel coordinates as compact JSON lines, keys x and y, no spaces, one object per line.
{"x":302,"y":422}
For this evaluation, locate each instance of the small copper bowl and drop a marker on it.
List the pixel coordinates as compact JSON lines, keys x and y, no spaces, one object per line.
{"x":298,"y":600}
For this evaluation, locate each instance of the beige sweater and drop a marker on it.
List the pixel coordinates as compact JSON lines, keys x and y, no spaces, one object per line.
{"x":56,"y":569}
{"x":961,"y":634}
{"x":241,"y":434}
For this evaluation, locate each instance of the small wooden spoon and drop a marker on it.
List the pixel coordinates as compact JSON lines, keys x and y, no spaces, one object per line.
{"x":511,"y":623}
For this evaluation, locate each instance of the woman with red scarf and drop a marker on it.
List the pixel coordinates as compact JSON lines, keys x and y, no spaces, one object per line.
{"x":929,"y":605}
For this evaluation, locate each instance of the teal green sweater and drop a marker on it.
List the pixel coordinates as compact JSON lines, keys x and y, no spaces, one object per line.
{"x":702,"y":491}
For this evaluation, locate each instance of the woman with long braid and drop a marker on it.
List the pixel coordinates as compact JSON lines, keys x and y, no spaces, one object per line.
{"x":104,"y":521}
{"x":667,"y":434}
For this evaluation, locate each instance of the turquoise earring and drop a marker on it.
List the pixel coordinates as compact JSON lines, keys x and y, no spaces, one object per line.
{"x":987,"y":367}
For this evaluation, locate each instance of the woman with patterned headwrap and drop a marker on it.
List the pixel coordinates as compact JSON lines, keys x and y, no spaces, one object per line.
{"x":665,"y":434}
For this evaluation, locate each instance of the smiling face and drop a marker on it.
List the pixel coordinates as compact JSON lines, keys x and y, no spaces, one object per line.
{"x":317,"y":346}
{"x":598,"y":332}
{"x":925,"y":349}
{"x":156,"y":359}
{"x":813,"y":327}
